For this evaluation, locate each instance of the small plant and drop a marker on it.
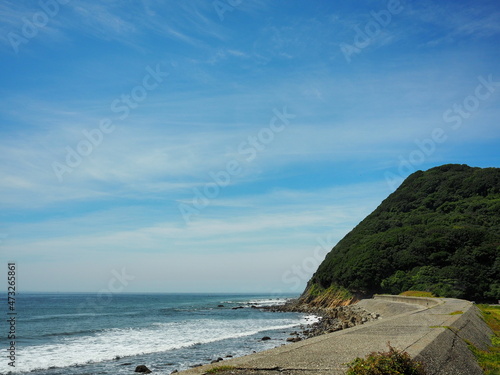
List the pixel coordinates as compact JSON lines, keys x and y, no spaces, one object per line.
{"x":392,"y":362}
{"x":457,"y":312}
{"x":218,"y":369}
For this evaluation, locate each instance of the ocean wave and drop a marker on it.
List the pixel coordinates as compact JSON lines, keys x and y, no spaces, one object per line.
{"x":124,"y":342}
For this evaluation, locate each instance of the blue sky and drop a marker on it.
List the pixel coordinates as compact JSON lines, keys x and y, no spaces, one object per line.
{"x":203,"y":146}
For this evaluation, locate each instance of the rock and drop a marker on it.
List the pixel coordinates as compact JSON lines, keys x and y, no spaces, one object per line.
{"x":214,"y":361}
{"x":126,"y":364}
{"x":197,"y":365}
{"x":174,"y":372}
{"x":265,"y":338}
{"x":293,"y":339}
{"x":143,"y":369}
{"x":220,"y":305}
{"x":229,"y":356}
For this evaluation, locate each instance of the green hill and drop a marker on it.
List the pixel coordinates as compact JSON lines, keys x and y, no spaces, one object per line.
{"x":438,"y":232}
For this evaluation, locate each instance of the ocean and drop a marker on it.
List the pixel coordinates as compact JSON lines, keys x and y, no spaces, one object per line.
{"x":80,"y":334}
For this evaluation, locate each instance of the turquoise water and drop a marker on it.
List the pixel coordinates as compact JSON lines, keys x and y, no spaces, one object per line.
{"x":84,"y":334}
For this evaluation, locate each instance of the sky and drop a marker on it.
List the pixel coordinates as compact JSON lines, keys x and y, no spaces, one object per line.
{"x":228,"y":145}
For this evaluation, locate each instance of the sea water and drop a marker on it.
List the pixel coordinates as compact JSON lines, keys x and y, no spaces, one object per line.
{"x":87,"y":334}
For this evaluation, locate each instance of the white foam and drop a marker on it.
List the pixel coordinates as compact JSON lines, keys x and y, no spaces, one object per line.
{"x":311,"y":319}
{"x":264,"y":301}
{"x":159,"y":337}
{"x":267,"y":302}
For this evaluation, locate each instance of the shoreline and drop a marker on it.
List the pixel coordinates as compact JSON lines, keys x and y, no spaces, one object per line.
{"x":429,"y":330}
{"x":330,"y":320}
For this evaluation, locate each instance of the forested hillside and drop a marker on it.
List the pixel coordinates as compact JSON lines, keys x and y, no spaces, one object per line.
{"x":438,"y":232}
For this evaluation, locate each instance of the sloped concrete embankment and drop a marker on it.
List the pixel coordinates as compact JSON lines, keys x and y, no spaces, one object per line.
{"x":435,"y":331}
{"x":445,"y":349}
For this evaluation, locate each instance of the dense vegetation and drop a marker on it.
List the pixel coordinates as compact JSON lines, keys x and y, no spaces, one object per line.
{"x":438,"y":232}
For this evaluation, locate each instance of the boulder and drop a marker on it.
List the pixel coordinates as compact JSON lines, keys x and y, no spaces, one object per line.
{"x":143,"y":369}
{"x":265,"y":338}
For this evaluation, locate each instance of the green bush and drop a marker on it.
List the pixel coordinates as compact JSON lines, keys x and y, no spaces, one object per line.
{"x":392,"y":362}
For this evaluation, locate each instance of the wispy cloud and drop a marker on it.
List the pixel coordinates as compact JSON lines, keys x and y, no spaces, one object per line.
{"x":226,"y":78}
{"x":447,"y":23}
{"x":292,"y":224}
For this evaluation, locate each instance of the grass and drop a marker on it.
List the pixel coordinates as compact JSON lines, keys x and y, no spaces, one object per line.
{"x":333,"y":290}
{"x":417,"y":293}
{"x":218,"y":369}
{"x":392,"y":362}
{"x":489,"y":360}
{"x":456,"y":312}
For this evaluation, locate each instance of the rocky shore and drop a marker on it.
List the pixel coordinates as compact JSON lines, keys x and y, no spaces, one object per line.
{"x":331,"y":319}
{"x":429,"y":329}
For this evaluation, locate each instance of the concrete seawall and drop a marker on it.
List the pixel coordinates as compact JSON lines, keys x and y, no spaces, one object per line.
{"x":445,"y":348}
{"x":432,"y":330}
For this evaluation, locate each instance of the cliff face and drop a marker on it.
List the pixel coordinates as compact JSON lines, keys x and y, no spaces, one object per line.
{"x":317,"y":297}
{"x":438,"y":232}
